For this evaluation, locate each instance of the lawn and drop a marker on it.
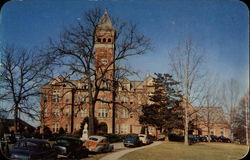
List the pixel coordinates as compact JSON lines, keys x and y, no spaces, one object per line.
{"x":178,"y":151}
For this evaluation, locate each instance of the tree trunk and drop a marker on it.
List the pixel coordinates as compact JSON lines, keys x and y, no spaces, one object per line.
{"x":113,"y":100}
{"x":113,"y":110}
{"x":209,"y":136}
{"x":91,"y":126}
{"x":186,"y":124}
{"x":72,"y":111}
{"x":247,"y":123}
{"x":16,"y":119}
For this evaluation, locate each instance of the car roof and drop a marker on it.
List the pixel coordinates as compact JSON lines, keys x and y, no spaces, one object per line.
{"x":33,"y":140}
{"x":98,"y":137}
{"x":69,"y":138}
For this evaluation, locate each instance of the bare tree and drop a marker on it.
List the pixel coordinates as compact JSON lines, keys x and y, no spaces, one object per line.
{"x":229,"y":99}
{"x":186,"y":63}
{"x":241,"y":129}
{"x":247,"y":117}
{"x":22,"y":73}
{"x":75,"y":50}
{"x":209,"y":112}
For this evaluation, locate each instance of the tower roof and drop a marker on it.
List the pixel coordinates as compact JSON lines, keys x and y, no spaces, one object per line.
{"x":105,"y":22}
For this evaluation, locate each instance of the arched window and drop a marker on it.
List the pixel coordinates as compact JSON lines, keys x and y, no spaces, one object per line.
{"x":109,"y":40}
{"x":104,"y":40}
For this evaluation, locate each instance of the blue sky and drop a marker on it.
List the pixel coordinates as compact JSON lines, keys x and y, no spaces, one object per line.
{"x":218,"y":27}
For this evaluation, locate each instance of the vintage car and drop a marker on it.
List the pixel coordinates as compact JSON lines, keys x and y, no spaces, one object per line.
{"x":132,"y":140}
{"x":144,"y":138}
{"x":70,"y":147}
{"x":161,"y":137}
{"x":32,"y":149}
{"x":98,"y":144}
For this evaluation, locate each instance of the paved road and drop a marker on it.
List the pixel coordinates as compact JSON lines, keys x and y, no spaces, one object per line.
{"x":117,"y":154}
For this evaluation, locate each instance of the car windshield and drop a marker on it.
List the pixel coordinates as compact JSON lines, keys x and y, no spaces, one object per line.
{"x":131,"y":136}
{"x":93,"y":139}
{"x":62,"y":141}
{"x":28,"y":145}
{"x":32,"y":146}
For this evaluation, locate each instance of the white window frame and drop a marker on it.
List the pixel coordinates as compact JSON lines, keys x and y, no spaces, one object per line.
{"x":103,"y":113}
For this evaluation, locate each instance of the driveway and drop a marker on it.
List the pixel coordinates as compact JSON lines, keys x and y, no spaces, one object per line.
{"x":120,"y":151}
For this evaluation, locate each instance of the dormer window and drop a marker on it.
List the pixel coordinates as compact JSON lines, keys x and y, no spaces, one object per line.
{"x":104,"y":61}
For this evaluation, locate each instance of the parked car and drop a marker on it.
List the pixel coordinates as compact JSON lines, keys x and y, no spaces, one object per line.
{"x":9,"y":138}
{"x":112,"y":138}
{"x":161,"y":137}
{"x":70,"y":147}
{"x":132,"y":140}
{"x":175,"y":137}
{"x":203,"y":139}
{"x":32,"y":149}
{"x":98,"y":144}
{"x":214,"y":138}
{"x":144,"y":138}
{"x":224,"y":139}
{"x":192,"y":139}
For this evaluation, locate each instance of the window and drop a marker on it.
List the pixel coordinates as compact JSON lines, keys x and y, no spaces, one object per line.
{"x":67,"y":98}
{"x":67,"y":112}
{"x":104,"y":61}
{"x":131,"y":100}
{"x":85,"y":86}
{"x":222,"y":132}
{"x":56,"y":96}
{"x":124,"y":113}
{"x":83,"y":99}
{"x":66,"y":127}
{"x":76,"y":99}
{"x":124,"y":129}
{"x":76,"y":112}
{"x":131,"y":115}
{"x":109,"y":40}
{"x":124,"y":99}
{"x":45,"y":98}
{"x":104,"y":40}
{"x":56,"y":127}
{"x":56,"y":112}
{"x":116,"y":114}
{"x":45,"y":112}
{"x":84,"y":113}
{"x":212,"y":132}
{"x":139,"y":99}
{"x":103,"y":112}
{"x":77,"y":127}
{"x":117,"y":129}
{"x":98,"y":39}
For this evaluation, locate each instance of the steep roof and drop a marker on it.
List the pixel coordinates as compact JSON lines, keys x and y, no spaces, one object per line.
{"x":105,"y":22}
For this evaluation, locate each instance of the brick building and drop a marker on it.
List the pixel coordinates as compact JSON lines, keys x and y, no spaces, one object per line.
{"x":213,"y":117}
{"x":60,"y":98}
{"x":64,"y":103}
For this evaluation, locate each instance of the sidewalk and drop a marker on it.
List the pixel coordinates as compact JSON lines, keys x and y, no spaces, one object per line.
{"x":117,"y":155}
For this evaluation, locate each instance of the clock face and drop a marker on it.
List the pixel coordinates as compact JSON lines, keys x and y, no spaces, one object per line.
{"x":104,"y":61}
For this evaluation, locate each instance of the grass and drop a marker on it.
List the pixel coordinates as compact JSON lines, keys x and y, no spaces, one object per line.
{"x":178,"y":151}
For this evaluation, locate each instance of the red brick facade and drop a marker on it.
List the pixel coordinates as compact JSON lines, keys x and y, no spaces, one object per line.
{"x":56,"y":102}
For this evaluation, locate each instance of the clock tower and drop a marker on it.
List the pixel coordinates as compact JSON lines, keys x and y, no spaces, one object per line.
{"x":104,"y":48}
